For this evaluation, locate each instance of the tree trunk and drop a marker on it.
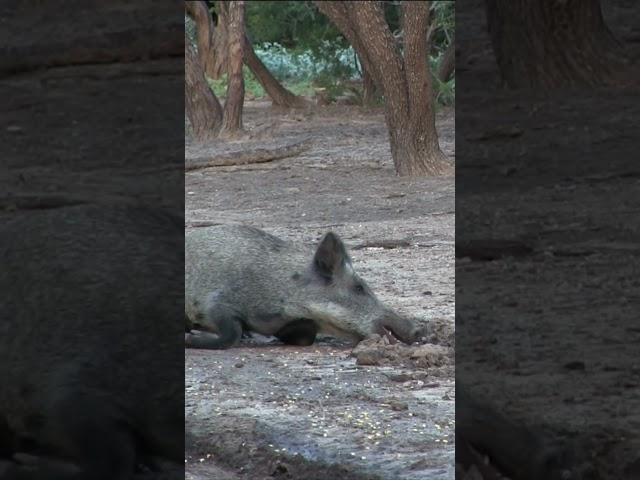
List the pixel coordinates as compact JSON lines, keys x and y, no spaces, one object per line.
{"x":553,"y":43}
{"x":203,"y":109}
{"x":448,"y":62}
{"x":212,"y":40}
{"x":280,"y":96}
{"x":369,"y":91}
{"x":232,"y":118}
{"x":405,"y":81}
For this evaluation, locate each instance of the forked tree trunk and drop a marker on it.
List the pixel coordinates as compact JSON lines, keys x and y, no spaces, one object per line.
{"x":213,"y":65}
{"x":404,"y":81}
{"x":448,"y":62}
{"x":203,"y":109}
{"x":232,"y":117}
{"x":553,"y":43}
{"x":220,"y":40}
{"x":212,"y":47}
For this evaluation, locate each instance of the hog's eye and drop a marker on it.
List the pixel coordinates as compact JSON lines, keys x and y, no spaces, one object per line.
{"x":359,"y":288}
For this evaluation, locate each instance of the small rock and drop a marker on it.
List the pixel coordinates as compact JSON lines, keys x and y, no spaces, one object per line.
{"x":368,"y":357}
{"x":429,"y":350}
{"x":400,"y":377}
{"x":398,"y":406}
{"x":239,"y":365}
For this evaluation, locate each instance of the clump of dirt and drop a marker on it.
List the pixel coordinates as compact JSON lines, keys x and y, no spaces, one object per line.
{"x":377,"y":350}
{"x":439,"y":331}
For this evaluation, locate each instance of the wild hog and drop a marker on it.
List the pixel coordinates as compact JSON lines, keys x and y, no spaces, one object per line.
{"x":91,"y":354}
{"x":242,"y":279}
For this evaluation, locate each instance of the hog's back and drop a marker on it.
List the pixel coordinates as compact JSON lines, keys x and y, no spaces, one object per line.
{"x":242,"y":264}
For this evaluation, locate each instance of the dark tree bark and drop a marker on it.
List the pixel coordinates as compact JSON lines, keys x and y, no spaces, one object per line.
{"x":213,"y":65}
{"x":448,"y":62}
{"x":203,"y":109}
{"x":220,"y":41}
{"x":404,"y":80}
{"x":232,"y":117}
{"x":553,"y":43}
{"x":280,"y":96}
{"x":369,"y":91}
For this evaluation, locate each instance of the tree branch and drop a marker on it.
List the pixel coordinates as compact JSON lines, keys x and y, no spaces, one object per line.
{"x":199,"y":12}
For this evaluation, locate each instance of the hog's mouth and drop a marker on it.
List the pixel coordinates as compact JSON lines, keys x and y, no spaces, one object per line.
{"x":390,"y":335}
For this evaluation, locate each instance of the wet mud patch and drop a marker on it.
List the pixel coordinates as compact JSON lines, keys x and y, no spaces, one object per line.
{"x":246,"y":450}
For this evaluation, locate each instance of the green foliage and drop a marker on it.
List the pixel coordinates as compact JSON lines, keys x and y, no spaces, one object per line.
{"x":291,"y":65}
{"x":296,"y":42}
{"x":444,"y":92}
{"x":295,"y":25}
{"x":444,"y":15}
{"x":304,"y":51}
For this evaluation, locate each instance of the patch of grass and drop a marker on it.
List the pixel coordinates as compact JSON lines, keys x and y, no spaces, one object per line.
{"x":252,"y":87}
{"x":302,"y":87}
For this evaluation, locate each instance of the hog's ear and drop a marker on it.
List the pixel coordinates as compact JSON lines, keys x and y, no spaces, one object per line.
{"x":331,"y":256}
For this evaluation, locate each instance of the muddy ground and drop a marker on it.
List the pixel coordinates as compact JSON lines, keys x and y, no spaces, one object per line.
{"x":551,"y":334}
{"x":265,"y":410}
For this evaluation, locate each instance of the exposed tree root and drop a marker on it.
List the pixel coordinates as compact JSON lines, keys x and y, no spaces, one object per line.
{"x":257,"y":155}
{"x":386,"y":244}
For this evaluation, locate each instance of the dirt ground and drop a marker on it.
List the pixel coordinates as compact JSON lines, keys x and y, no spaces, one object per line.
{"x":265,"y":410}
{"x":551,"y":336}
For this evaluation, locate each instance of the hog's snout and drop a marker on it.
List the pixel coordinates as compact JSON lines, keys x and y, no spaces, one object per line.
{"x":400,"y":327}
